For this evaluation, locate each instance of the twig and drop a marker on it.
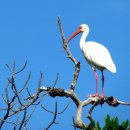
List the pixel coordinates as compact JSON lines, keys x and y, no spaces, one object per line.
{"x":56,"y":80}
{"x":53,"y":112}
{"x":54,"y":118}
{"x":16,"y":123}
{"x":26,"y":82}
{"x":64,"y":108}
{"x":74,"y":125}
{"x":5,"y":117}
{"x":21,"y":69}
{"x":15,"y":90}
{"x":27,"y":120}
{"x":70,"y":56}
{"x":23,"y":120}
{"x":40,"y":79}
{"x":65,"y":45}
{"x":14,"y":103}
{"x":80,"y":104}
{"x":90,"y":111}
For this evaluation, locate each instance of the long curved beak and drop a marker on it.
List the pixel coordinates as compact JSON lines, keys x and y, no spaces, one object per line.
{"x":73,"y":35}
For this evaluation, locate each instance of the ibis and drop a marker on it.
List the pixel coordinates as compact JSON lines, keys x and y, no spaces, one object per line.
{"x":96,"y":55}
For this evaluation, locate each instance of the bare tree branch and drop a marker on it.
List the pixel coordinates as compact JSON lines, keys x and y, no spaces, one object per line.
{"x":57,"y":112}
{"x":54,"y":118}
{"x":16,"y":104}
{"x":80,"y":104}
{"x":74,"y":125}
{"x":21,"y":69}
{"x":23,"y":120}
{"x":76,"y":63}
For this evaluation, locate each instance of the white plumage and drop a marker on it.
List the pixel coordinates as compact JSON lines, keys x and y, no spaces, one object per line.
{"x":96,"y":55}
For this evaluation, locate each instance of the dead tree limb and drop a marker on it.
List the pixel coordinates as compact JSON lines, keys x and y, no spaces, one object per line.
{"x":14,"y":99}
{"x":70,"y":93}
{"x":70,"y":56}
{"x":54,"y":114}
{"x":111,"y":101}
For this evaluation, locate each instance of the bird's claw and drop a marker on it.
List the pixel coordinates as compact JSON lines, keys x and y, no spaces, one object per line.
{"x":96,"y":95}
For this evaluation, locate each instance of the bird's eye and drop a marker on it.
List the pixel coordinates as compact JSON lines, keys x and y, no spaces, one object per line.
{"x":80,"y":27}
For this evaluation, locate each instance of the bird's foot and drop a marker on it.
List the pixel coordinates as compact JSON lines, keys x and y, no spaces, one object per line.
{"x":94,"y":95}
{"x":103,"y":96}
{"x":97,"y":95}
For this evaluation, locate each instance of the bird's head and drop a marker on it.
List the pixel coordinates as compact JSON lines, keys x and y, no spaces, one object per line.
{"x":82,"y":28}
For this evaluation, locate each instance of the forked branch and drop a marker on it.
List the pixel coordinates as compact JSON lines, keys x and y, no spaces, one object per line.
{"x":111,"y":101}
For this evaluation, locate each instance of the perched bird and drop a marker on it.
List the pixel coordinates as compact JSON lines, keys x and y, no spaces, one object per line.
{"x":96,"y":55}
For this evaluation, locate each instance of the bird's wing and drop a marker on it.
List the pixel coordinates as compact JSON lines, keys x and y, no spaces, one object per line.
{"x":98,"y":56}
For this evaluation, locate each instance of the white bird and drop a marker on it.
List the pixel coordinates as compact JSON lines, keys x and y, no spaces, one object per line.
{"x":96,"y":55}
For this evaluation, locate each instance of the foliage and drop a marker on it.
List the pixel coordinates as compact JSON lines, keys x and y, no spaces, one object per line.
{"x":110,"y":124}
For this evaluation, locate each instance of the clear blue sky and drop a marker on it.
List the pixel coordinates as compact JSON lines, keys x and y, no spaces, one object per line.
{"x":29,"y":31}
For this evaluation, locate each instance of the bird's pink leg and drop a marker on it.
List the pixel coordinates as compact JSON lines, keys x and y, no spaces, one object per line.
{"x":102,"y":84}
{"x":96,"y":76}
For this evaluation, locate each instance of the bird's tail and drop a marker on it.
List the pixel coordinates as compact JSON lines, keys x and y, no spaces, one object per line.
{"x":111,"y":67}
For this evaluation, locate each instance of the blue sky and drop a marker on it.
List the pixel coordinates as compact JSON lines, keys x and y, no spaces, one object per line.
{"x":29,"y":31}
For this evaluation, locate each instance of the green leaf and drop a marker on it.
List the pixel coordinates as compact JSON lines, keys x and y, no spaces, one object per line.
{"x":107,"y":119}
{"x":83,"y":127}
{"x":104,"y":128}
{"x":98,"y":126}
{"x":115,"y":123}
{"x":92,"y":123}
{"x":91,"y":126}
{"x":111,"y":124}
{"x":125,"y":124}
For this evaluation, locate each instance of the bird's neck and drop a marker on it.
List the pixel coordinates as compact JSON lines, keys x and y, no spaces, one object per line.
{"x":83,"y":39}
